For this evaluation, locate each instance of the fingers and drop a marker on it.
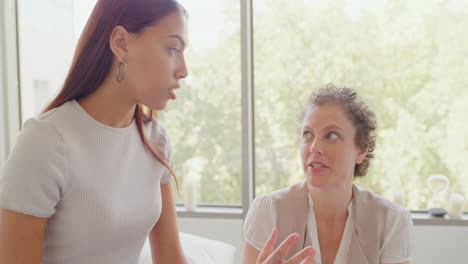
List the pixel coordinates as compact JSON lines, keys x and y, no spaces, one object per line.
{"x":309,"y":260}
{"x":305,"y":256}
{"x":284,"y":247}
{"x":268,"y":248}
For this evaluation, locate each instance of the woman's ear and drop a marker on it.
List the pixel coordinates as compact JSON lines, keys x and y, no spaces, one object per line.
{"x":118,"y":43}
{"x":361,"y":155}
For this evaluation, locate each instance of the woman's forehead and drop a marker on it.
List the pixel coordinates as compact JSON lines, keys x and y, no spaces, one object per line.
{"x":173,"y":24}
{"x":326,"y":115}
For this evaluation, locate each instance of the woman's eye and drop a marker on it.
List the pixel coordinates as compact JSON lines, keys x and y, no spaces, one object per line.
{"x":174,"y":50}
{"x":332,"y":135}
{"x":307,"y":134}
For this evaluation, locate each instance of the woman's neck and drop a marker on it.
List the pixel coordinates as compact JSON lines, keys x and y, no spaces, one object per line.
{"x":331,"y":202}
{"x":109,"y":105}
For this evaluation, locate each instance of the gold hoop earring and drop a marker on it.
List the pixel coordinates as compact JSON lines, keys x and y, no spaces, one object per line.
{"x":117,"y":74}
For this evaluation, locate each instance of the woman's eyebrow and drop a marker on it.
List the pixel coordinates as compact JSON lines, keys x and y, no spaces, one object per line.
{"x":179,"y":38}
{"x":332,"y":126}
{"x":329,"y":127}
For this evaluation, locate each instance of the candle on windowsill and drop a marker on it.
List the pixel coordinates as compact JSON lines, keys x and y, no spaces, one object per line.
{"x":455,"y":207}
{"x":190,"y":194}
{"x":399,"y":197}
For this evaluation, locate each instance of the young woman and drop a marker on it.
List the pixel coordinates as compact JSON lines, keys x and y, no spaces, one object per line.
{"x":88,"y":180}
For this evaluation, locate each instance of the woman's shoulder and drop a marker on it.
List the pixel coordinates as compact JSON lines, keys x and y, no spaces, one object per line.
{"x":288,"y":197}
{"x":370,"y":201}
{"x":39,"y":142}
{"x":387,"y":235}
{"x":156,"y":131}
{"x":291,"y":191}
{"x":158,"y":137}
{"x":40,"y":130}
{"x":45,"y":133}
{"x":272,"y":204}
{"x":56,"y":118}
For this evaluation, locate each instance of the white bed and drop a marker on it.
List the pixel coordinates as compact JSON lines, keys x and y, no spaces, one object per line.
{"x":198,"y":250}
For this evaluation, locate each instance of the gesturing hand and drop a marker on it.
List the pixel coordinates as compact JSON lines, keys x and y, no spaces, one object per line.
{"x":268,"y":256}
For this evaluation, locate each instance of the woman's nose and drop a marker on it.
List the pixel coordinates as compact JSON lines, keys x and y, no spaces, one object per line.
{"x":182,"y":72}
{"x":316,"y":147}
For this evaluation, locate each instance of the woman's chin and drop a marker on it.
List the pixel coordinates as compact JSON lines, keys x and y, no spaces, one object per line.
{"x":316,"y":181}
{"x":157,"y":106}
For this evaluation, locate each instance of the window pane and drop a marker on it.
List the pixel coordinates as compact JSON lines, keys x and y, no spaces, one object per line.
{"x":205,"y":121}
{"x":48,"y":33}
{"x":408,"y":58}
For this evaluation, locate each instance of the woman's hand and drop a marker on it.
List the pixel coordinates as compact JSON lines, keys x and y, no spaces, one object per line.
{"x":268,"y":256}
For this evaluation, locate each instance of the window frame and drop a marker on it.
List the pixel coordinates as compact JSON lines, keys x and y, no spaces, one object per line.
{"x":11,"y":111}
{"x":10,"y":74}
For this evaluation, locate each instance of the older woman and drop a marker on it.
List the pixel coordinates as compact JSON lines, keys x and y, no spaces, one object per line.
{"x":343,"y":222}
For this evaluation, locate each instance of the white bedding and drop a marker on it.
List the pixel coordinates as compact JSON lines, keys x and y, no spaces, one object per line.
{"x":198,"y":250}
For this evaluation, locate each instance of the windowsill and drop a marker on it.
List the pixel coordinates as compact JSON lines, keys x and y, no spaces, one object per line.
{"x":423,"y":218}
{"x":419,"y":217}
{"x":210,"y":212}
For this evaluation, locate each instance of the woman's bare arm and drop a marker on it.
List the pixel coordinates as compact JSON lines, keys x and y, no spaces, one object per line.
{"x":164,"y":237}
{"x":21,"y":237}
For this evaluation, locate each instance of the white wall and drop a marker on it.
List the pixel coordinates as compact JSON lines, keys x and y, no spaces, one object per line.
{"x":441,"y":244}
{"x":433,"y":244}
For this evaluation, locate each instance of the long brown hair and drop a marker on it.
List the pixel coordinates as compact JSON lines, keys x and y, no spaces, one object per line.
{"x":93,"y":57}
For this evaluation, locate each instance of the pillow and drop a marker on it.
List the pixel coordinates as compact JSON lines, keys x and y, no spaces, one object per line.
{"x":198,"y":250}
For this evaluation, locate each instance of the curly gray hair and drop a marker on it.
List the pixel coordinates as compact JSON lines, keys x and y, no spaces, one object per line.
{"x":358,"y":112}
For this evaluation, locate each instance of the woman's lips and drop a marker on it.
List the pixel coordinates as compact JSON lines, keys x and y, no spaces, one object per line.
{"x":172,"y":93}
